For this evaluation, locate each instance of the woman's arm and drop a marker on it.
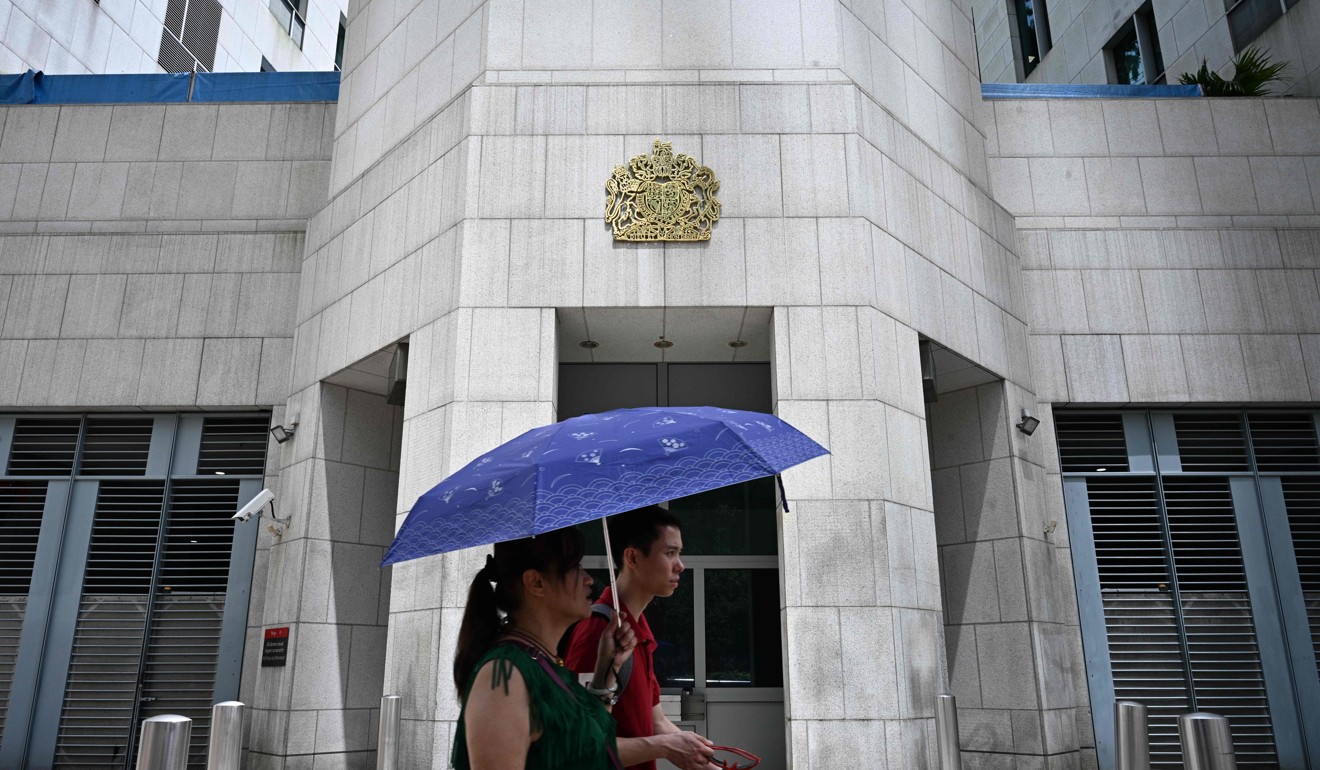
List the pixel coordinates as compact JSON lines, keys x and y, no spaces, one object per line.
{"x":498,"y":718}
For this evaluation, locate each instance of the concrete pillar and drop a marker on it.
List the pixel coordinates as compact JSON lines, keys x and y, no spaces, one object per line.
{"x":861,"y":590}
{"x":477,"y":377}
{"x":337,"y":488}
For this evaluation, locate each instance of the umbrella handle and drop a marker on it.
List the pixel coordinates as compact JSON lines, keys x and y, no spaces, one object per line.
{"x":609,"y":558}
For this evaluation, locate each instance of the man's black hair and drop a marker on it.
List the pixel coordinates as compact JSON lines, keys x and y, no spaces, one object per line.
{"x":639,"y":529}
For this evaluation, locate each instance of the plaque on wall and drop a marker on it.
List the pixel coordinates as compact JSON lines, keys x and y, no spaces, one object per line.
{"x":662,"y":197}
{"x":275,"y":649}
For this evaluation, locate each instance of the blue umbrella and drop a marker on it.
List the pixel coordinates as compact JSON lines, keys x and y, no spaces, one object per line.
{"x":590,"y":467}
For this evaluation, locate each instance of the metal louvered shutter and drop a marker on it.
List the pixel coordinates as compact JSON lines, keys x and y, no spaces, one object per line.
{"x":1141,"y":620}
{"x":178,"y":675}
{"x":1211,"y":442}
{"x":1091,"y":442}
{"x":1284,"y":442}
{"x":44,"y":446}
{"x":234,"y":445}
{"x":1222,"y":654}
{"x":100,"y":701}
{"x":21,"y":505}
{"x":201,"y":30}
{"x":116,"y":446}
{"x":1302,"y":498}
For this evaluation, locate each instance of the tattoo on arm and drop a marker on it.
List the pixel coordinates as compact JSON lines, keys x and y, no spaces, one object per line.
{"x":499,"y":675}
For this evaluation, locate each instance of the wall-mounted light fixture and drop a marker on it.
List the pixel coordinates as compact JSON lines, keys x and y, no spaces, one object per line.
{"x":1028,"y":423}
{"x":283,"y":434}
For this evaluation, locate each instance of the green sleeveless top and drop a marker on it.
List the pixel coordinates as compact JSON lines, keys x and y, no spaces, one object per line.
{"x":577,"y":733}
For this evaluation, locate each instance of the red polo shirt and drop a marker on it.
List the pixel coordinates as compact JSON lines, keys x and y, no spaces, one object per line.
{"x":633,"y":712}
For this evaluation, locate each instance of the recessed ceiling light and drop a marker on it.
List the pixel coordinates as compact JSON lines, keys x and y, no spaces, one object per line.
{"x":663,"y":343}
{"x":589,"y":344}
{"x":219,"y":473}
{"x":737,"y":343}
{"x":1102,"y":470}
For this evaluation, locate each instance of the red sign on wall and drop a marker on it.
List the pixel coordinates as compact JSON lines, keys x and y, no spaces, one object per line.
{"x":275,"y":650}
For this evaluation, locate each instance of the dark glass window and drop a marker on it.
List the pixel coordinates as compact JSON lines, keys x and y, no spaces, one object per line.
{"x":1127,"y":57}
{"x":1026,"y":19}
{"x":339,"y":43}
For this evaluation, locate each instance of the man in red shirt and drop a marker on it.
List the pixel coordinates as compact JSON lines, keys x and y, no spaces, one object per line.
{"x":647,"y":544}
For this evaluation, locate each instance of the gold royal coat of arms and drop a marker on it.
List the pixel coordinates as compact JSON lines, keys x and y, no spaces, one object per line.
{"x":667,"y":197}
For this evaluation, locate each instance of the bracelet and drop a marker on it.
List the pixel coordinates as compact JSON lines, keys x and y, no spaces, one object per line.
{"x":608,"y":695}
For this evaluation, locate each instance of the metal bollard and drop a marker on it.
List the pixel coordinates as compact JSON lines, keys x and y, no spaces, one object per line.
{"x":164,"y":743}
{"x":1207,"y":742}
{"x":226,"y":747}
{"x":946,"y":732}
{"x":387,"y":748}
{"x":1132,"y":734}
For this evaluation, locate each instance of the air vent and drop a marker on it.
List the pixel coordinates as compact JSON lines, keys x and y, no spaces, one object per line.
{"x":1284,"y":442}
{"x":184,"y":638}
{"x":173,"y":57}
{"x":96,"y":726}
{"x":174,"y":12}
{"x":44,"y":446}
{"x":1091,"y":442}
{"x":116,"y":446}
{"x":234,"y":445}
{"x":201,"y":30}
{"x":1129,"y":543}
{"x":1211,"y":442}
{"x":21,"y":505}
{"x":1302,"y":498}
{"x":1141,"y":623}
{"x":1216,"y":608}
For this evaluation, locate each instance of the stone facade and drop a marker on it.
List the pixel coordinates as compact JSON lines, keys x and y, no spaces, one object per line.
{"x":1102,"y":252}
{"x":1189,"y":32}
{"x":78,"y":37}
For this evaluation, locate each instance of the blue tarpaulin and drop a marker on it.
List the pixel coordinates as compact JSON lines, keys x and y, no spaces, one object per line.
{"x":38,"y":88}
{"x":103,"y":89}
{"x":266,"y":87}
{"x":18,"y":89}
{"x":1078,"y":91}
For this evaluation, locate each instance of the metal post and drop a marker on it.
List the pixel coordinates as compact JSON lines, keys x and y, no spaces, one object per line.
{"x":226,"y":748}
{"x":946,"y":732}
{"x":387,"y":748}
{"x":1132,"y":734}
{"x":164,"y":743}
{"x":1207,"y":742}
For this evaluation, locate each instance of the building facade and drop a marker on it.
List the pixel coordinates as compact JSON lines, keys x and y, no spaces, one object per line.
{"x":73,"y":37}
{"x":902,"y":269}
{"x":1125,"y":41}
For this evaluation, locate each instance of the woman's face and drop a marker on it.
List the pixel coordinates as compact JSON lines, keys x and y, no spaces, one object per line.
{"x":571,"y":594}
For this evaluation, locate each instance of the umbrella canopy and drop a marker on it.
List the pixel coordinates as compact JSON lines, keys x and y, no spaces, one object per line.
{"x":596,"y":465}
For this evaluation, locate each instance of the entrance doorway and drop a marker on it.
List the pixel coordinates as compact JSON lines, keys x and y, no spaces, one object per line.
{"x":719,"y":655}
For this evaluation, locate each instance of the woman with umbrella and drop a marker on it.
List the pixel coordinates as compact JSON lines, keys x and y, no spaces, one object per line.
{"x":521,"y":706}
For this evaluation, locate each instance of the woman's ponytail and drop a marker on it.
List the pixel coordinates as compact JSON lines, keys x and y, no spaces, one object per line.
{"x":496,"y":591}
{"x":480,"y":628}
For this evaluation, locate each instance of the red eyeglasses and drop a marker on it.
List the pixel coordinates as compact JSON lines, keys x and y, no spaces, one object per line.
{"x":732,"y":763}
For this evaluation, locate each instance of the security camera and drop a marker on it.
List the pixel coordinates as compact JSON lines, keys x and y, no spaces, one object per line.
{"x":264,"y":497}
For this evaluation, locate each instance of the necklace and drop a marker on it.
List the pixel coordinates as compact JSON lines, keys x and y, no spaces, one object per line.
{"x":529,"y":640}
